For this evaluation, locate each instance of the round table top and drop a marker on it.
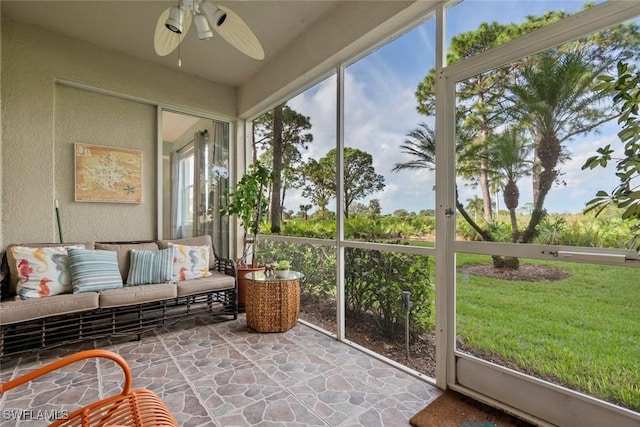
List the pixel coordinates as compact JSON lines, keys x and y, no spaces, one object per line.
{"x":260,"y":276}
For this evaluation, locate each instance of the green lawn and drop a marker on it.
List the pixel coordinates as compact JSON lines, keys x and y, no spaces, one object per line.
{"x":583,"y":332}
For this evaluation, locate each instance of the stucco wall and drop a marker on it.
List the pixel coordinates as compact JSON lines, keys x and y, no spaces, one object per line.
{"x":2,"y":245}
{"x":41,"y":120}
{"x":96,"y":119}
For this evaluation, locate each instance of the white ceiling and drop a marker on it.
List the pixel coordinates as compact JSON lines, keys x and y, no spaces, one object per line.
{"x":175,"y":125}
{"x":128,"y":27}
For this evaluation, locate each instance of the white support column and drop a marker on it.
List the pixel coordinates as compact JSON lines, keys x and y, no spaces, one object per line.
{"x":445,"y":213}
{"x":240,"y":157}
{"x":159,"y":195}
{"x":340,"y":284}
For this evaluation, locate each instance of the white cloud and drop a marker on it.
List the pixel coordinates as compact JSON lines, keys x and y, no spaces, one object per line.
{"x":372,"y":126}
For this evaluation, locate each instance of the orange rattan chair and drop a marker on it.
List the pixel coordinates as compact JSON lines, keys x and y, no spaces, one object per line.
{"x":130,"y":408}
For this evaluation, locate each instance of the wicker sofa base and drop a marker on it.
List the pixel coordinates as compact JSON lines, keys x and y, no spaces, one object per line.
{"x":36,"y":335}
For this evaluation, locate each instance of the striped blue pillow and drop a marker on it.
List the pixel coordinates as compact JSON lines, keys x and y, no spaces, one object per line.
{"x":150,"y":267}
{"x":93,"y":270}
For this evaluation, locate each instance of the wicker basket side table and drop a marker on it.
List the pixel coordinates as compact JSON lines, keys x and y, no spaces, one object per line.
{"x":273,"y":303}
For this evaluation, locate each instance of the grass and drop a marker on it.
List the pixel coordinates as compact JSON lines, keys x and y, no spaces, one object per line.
{"x":583,"y":331}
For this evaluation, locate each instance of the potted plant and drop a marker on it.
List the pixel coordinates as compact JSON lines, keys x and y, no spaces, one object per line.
{"x":282,"y":267}
{"x":248,"y":201}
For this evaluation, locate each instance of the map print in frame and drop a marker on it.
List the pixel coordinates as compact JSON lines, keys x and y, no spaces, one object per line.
{"x":106,"y":174}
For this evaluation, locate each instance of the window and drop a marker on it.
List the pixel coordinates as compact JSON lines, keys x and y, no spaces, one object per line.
{"x":185,"y":191}
{"x":195,"y":175}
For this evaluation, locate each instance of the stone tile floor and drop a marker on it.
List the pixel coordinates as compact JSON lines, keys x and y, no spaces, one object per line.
{"x":224,"y":374}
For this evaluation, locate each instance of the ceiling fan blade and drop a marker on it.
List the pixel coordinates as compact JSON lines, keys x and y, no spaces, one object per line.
{"x":165,"y":41}
{"x":233,"y":30}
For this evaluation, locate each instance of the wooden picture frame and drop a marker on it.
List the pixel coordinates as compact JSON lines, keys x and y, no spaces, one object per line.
{"x":107,"y":174}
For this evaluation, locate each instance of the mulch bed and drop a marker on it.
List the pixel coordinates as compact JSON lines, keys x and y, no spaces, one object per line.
{"x":526,"y":272}
{"x":364,"y":332}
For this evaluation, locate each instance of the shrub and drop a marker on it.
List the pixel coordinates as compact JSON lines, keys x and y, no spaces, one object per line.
{"x":318,"y":263}
{"x":550,"y":230}
{"x":500,"y":230}
{"x":374,"y":284}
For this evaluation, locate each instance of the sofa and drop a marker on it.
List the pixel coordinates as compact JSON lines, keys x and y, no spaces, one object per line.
{"x":54,"y":294}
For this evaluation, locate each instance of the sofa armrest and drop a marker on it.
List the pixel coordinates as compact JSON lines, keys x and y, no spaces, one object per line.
{"x":226,"y":266}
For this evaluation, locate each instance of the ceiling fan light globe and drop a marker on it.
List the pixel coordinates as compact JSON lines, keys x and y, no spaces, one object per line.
{"x":174,"y":22}
{"x":202,"y":25}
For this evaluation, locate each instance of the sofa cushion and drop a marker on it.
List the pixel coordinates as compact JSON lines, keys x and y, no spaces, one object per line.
{"x":93,"y":270}
{"x":193,"y":241}
{"x":22,"y":310}
{"x":13,"y":268}
{"x":122,"y":253}
{"x":190,"y":262}
{"x":150,"y":267}
{"x":216,"y":281}
{"x":42,"y":271}
{"x":132,"y":295}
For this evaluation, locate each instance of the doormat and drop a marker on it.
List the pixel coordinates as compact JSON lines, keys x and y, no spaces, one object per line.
{"x":452,"y":409}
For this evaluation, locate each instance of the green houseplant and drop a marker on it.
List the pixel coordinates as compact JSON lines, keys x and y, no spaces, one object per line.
{"x":248,"y":201}
{"x":282,"y":267}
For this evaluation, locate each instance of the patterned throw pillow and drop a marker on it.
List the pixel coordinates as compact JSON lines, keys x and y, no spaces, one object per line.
{"x":148,"y":267}
{"x":190,"y":262}
{"x":42,"y":271}
{"x":93,"y":270}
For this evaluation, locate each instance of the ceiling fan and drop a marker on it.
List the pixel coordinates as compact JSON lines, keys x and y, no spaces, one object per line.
{"x":175,"y":22}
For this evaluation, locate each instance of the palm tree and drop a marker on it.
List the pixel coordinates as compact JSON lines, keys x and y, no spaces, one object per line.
{"x":422,"y":147}
{"x":509,"y":157}
{"x":475,"y":205}
{"x":554,"y":98}
{"x":304,"y":211}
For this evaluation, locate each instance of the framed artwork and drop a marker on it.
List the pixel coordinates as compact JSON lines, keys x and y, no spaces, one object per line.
{"x":106,"y":174}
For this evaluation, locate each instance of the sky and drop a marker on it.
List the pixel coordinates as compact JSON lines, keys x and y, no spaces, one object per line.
{"x":380,"y":109}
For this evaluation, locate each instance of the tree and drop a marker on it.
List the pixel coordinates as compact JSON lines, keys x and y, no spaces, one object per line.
{"x":492,"y":99}
{"x":359,"y":208}
{"x":294,"y":138}
{"x":479,"y":97}
{"x":475,"y":205}
{"x":360,"y":178}
{"x":509,"y":157}
{"x":527,"y":208}
{"x":319,"y":184}
{"x":374,"y":207}
{"x":422,"y":147}
{"x":626,"y":90}
{"x":304,"y":211}
{"x":555,"y":99}
{"x":277,"y":143}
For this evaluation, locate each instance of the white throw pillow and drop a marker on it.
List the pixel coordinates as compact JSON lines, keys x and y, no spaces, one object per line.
{"x":190,"y":262}
{"x":42,"y":272}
